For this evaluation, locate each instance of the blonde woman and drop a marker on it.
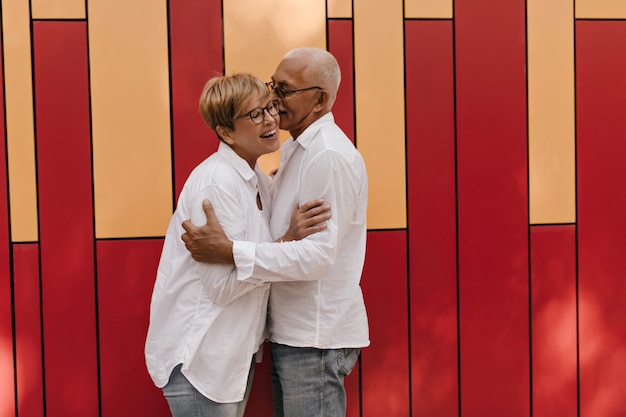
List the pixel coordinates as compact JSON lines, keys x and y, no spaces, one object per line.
{"x":205,"y":326}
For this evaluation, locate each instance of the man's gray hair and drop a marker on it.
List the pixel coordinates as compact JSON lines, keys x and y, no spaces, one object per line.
{"x":322,"y":68}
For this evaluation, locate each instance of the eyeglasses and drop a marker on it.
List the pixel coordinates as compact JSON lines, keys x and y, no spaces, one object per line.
{"x":282,"y":92}
{"x":257,"y":115}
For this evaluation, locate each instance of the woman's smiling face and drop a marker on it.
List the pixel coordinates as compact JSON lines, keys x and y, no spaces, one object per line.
{"x":255,"y":131}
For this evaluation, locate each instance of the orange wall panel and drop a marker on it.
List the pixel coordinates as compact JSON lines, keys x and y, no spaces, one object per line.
{"x":19,"y":122}
{"x":58,"y":9}
{"x":551,"y":118}
{"x":428,"y":9}
{"x":339,"y":8}
{"x":600,"y":9}
{"x":379,"y":101}
{"x":130,"y":115}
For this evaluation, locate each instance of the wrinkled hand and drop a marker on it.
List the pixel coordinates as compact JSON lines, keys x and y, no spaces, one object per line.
{"x":307,"y":219}
{"x":208,"y":243}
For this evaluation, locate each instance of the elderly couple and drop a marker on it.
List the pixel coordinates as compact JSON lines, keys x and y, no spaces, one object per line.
{"x":261,"y":258}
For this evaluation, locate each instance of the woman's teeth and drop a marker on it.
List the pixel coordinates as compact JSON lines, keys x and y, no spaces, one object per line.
{"x":268,"y":134}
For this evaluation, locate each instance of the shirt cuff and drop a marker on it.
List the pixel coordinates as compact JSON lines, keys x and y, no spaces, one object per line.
{"x":243,"y":254}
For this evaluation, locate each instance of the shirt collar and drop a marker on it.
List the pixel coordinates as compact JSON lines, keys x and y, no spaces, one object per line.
{"x":240,"y":165}
{"x":308,"y":134}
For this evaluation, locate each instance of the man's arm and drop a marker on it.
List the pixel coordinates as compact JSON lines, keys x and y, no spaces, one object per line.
{"x":209,"y":243}
{"x":339,"y":177}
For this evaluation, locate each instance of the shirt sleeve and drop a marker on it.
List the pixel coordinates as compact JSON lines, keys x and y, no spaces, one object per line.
{"x":220,"y":281}
{"x":328,"y":175}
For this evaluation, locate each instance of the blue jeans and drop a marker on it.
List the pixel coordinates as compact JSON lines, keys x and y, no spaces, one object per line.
{"x":185,"y":401}
{"x":308,"y":382}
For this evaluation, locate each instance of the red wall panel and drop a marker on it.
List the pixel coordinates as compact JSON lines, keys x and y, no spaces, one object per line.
{"x":340,"y":44}
{"x":432,"y":217}
{"x":195,"y":56}
{"x":352,"y":385}
{"x":126,"y":274}
{"x":66,"y":218}
{"x":260,"y":401}
{"x":601,"y":151}
{"x":492,"y":207}
{"x":553,"y":312}
{"x":28,"y":347}
{"x":7,"y":395}
{"x":385,"y":363}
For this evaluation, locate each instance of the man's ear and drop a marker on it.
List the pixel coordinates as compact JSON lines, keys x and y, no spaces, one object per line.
{"x":323,"y":100}
{"x":226,"y":134}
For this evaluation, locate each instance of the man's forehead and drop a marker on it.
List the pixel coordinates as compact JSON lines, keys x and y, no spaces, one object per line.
{"x":289,"y":71}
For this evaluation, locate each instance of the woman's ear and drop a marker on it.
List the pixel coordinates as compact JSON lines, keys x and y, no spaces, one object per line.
{"x":226,"y":134}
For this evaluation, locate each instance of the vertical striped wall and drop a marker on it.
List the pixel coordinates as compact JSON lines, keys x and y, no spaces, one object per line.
{"x":493,"y":134}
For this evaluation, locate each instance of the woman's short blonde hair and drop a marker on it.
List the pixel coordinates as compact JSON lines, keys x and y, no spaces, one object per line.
{"x":223,"y":98}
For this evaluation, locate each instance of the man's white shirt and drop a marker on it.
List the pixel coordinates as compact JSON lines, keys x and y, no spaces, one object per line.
{"x":315,"y":298}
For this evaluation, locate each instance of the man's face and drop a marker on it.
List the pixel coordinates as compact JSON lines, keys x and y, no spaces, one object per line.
{"x":296,"y":107}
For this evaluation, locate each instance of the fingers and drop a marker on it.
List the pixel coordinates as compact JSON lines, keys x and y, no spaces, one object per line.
{"x":190,"y":228}
{"x":313,"y":227}
{"x":313,"y":213}
{"x":313,"y":208}
{"x":187,"y":225}
{"x":323,"y":210}
{"x":317,"y":214}
{"x":208,"y":208}
{"x":186,"y":238}
{"x":311,"y":204}
{"x":317,"y":219}
{"x":309,"y":218}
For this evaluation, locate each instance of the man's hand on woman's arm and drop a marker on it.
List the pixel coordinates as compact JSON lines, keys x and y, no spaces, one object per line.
{"x":209,"y":244}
